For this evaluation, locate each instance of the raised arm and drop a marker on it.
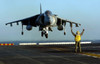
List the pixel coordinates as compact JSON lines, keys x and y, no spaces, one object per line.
{"x":72,"y":31}
{"x":82,"y":32}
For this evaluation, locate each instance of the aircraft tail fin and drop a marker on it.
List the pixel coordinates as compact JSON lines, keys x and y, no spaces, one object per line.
{"x":40,"y":9}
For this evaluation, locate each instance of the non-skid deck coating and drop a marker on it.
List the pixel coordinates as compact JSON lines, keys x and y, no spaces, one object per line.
{"x":48,"y":55}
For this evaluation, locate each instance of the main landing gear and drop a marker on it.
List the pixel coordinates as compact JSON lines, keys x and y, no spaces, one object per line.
{"x":44,"y":33}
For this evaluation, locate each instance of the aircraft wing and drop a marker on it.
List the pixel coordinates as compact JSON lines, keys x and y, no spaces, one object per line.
{"x":64,"y":21}
{"x":26,"y":21}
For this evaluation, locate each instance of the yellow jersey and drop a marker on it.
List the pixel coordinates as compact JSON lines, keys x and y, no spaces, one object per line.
{"x":77,"y":38}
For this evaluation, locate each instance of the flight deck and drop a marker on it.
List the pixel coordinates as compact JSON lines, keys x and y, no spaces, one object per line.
{"x":52,"y":54}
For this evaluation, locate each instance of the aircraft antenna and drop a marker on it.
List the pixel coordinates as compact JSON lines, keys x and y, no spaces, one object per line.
{"x":40,"y":9}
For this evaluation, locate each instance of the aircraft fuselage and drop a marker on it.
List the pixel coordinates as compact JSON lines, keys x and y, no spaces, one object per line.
{"x":47,"y":20}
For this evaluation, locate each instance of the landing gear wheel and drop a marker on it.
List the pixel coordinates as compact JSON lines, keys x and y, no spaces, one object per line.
{"x":22,"y":33}
{"x":64,"y":33}
{"x":42,"y":34}
{"x":46,"y":35}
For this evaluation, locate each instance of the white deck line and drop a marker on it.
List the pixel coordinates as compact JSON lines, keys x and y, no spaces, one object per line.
{"x":27,"y":43}
{"x":86,"y":42}
{"x":53,"y":43}
{"x":62,"y":43}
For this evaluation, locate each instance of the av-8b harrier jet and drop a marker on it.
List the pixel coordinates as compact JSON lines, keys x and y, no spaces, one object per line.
{"x":45,"y":21}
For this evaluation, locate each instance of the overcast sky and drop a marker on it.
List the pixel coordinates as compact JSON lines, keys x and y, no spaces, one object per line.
{"x":86,"y":12}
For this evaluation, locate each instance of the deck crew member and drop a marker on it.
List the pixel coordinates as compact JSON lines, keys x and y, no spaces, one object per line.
{"x":77,"y":39}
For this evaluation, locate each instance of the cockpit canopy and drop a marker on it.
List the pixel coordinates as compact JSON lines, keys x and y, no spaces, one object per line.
{"x":48,"y":12}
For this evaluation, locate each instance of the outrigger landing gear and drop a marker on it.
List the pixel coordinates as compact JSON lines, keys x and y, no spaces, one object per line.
{"x":64,"y":29}
{"x":22,"y":30}
{"x":64,"y":33}
{"x":22,"y":33}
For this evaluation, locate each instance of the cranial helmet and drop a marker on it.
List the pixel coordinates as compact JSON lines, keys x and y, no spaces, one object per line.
{"x":78,"y":32}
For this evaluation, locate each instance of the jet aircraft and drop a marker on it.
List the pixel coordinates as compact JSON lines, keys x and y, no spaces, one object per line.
{"x":45,"y":21}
